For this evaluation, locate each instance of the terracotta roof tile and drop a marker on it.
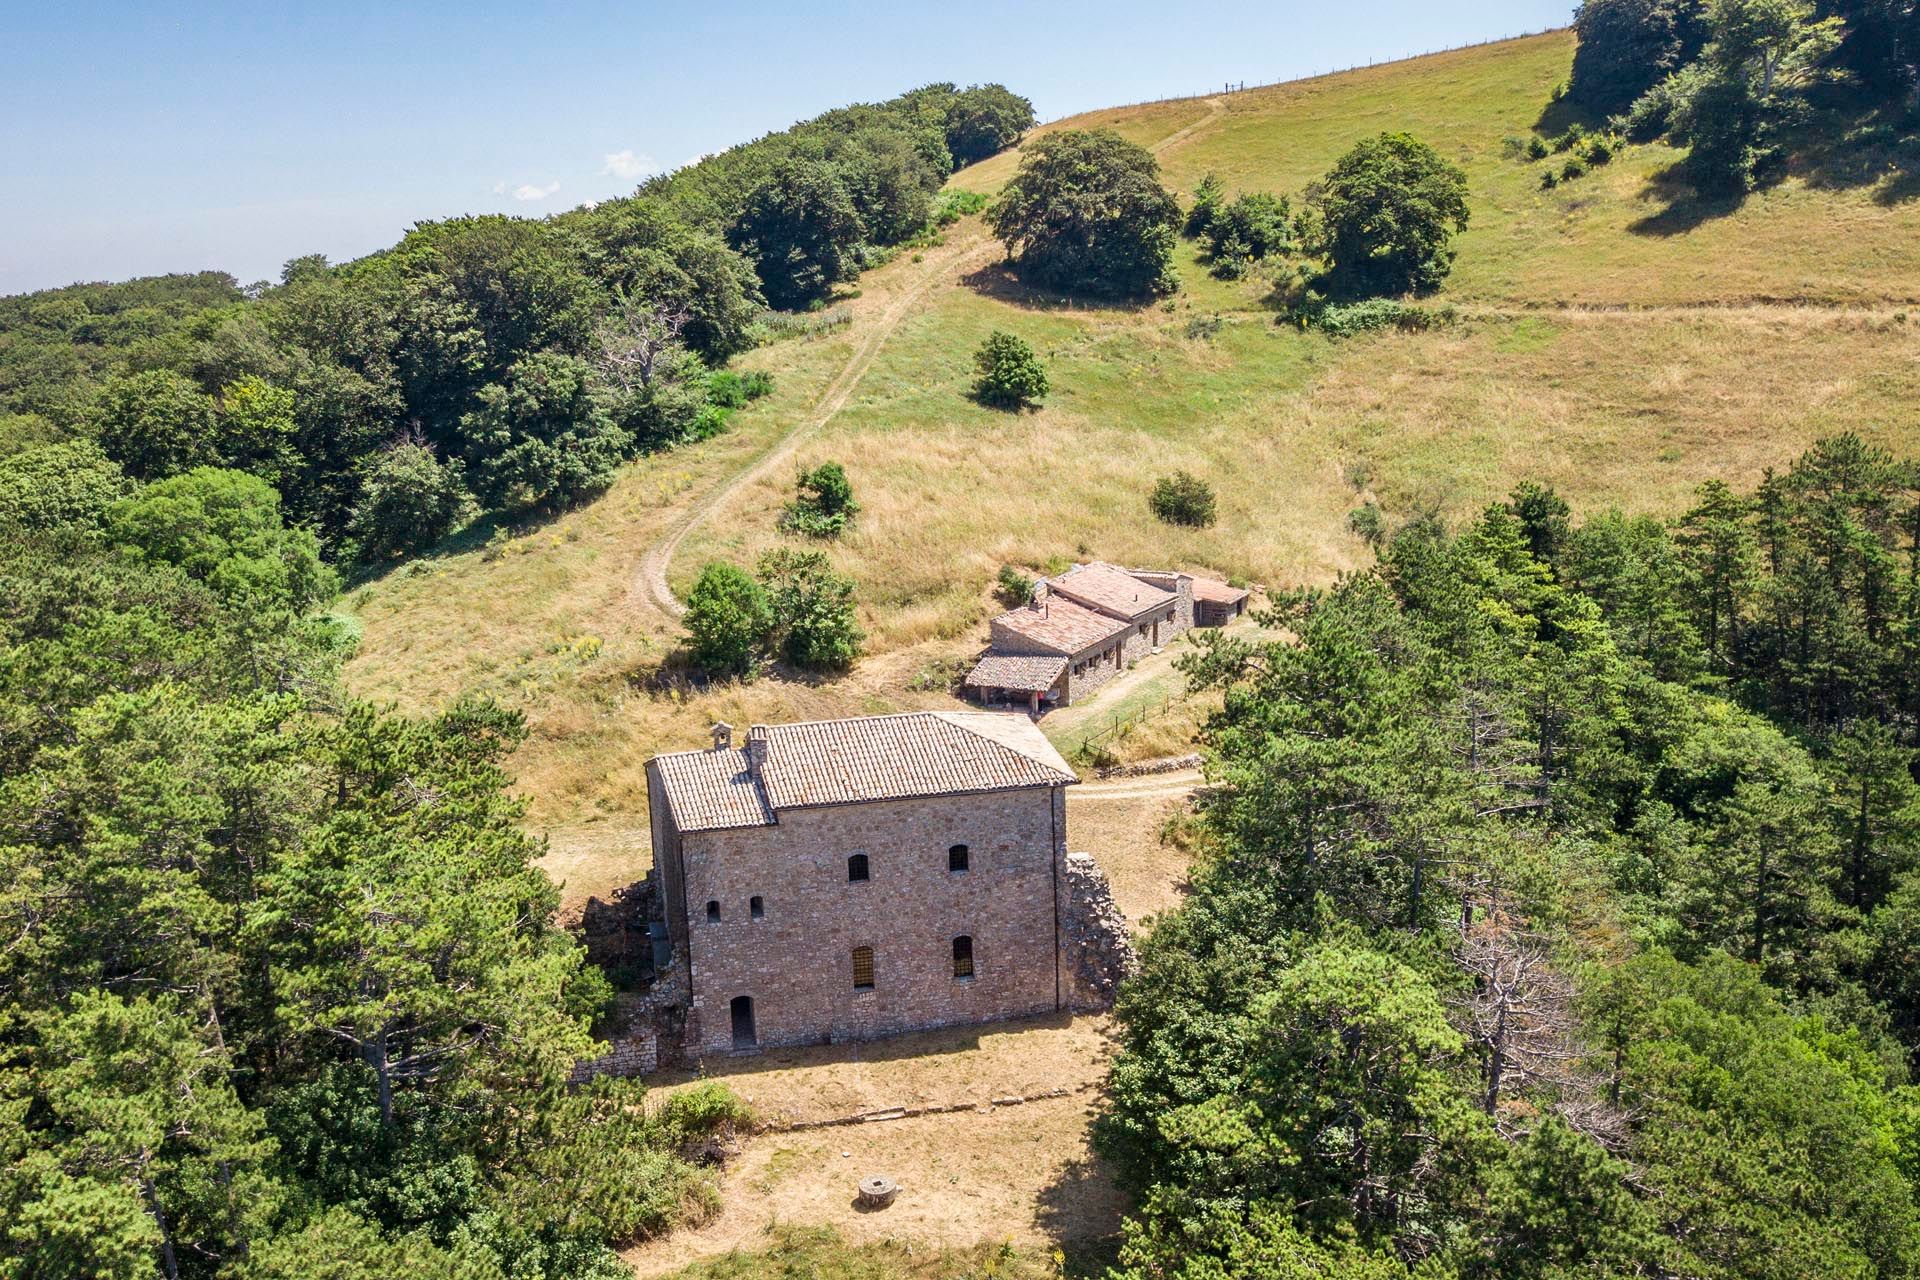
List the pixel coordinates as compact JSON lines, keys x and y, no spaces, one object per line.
{"x":1061,"y":625}
{"x":1110,"y":589}
{"x":825,"y":762}
{"x":1012,"y":671}
{"x":1216,"y":591}
{"x":711,"y":790}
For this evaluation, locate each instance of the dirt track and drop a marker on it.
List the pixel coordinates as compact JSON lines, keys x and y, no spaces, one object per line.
{"x":964,"y":251}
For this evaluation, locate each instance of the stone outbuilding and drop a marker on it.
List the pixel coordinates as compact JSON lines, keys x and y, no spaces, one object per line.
{"x":1087,"y":625}
{"x":843,"y":879}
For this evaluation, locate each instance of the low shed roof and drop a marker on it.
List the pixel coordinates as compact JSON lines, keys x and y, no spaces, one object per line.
{"x":1013,"y":671}
{"x":1215,"y":591}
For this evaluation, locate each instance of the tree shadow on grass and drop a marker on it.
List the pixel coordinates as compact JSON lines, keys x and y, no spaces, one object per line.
{"x":1000,"y":282}
{"x":1684,"y":208}
{"x":1556,"y":118}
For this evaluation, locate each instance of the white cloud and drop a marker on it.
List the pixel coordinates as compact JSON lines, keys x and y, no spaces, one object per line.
{"x":527,"y":191}
{"x":630,"y":164}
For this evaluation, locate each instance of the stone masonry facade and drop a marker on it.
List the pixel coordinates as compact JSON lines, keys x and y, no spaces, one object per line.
{"x":795,"y":960}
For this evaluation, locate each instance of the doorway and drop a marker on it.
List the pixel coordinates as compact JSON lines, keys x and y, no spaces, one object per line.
{"x":743,"y":1036}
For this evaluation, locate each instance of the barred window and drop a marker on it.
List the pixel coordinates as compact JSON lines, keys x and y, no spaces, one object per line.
{"x":757,"y":907}
{"x":863,"y":968}
{"x":963,"y":956}
{"x":713,"y":911}
{"x":957,"y":857}
{"x":856,"y":868}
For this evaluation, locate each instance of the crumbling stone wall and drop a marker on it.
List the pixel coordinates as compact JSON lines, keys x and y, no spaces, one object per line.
{"x":1096,"y":946}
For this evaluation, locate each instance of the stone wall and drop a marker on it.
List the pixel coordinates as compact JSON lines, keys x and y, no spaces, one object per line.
{"x":1096,"y":947}
{"x":795,"y":960}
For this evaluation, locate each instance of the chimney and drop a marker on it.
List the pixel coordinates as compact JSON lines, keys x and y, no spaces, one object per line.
{"x":1038,"y":601}
{"x":722,"y":735}
{"x":756,"y":748}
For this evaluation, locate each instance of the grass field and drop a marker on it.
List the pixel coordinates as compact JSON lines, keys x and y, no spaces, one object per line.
{"x":1612,"y":342}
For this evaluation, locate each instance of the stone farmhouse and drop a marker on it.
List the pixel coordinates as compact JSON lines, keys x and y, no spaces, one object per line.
{"x":844,"y":879}
{"x":1087,"y":625}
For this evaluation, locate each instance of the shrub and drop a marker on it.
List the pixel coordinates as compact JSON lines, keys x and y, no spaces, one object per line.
{"x":728,"y":621}
{"x":1537,"y":148}
{"x":1206,"y":203}
{"x":1011,"y":376}
{"x":1183,"y":499}
{"x":1343,"y":320}
{"x":409,"y":500}
{"x":1598,"y":149}
{"x":1013,"y":587}
{"x":1388,"y":211}
{"x":824,"y":505}
{"x":951,"y":206}
{"x":813,"y":610}
{"x":1367,"y":522}
{"x":1575,"y":167}
{"x":1549,"y":180}
{"x":1568,"y":140}
{"x":1254,"y":227}
{"x":1086,"y":213}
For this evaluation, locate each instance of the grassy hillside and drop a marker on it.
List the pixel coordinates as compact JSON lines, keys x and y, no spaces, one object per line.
{"x":1613,"y":343}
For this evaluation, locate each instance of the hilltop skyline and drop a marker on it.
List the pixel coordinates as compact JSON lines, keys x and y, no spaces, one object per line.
{"x":220,"y":137}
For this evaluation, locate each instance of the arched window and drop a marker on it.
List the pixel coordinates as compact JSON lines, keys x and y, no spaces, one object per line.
{"x":857,"y":867}
{"x":957,"y":857}
{"x":757,"y":907}
{"x":963,"y":957}
{"x":863,"y":968}
{"x":713,"y":911}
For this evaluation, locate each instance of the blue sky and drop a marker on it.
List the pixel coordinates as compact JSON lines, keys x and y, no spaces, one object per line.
{"x":142,"y":138}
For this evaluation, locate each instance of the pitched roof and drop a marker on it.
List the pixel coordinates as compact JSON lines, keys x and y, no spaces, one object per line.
{"x":709,"y":790}
{"x":828,"y":762}
{"x":1013,"y":671}
{"x":1061,"y":625}
{"x":1110,"y":589}
{"x":1216,"y":591}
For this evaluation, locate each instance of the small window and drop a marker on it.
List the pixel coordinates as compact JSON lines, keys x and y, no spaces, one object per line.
{"x":856,"y":867}
{"x":957,"y":857}
{"x":713,"y":911}
{"x":963,"y":957}
{"x":757,"y":907}
{"x":863,"y":968}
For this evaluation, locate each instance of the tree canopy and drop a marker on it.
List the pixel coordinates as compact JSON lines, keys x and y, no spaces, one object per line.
{"x":1388,"y":211}
{"x":1086,"y":213}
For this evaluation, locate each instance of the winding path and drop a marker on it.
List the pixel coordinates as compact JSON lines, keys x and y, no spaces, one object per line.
{"x":959,"y":254}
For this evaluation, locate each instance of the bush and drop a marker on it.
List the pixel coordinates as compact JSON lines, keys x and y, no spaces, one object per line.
{"x":409,"y":500}
{"x":951,"y":206}
{"x":1575,"y":167}
{"x":1086,"y":213}
{"x":1568,"y":140}
{"x":1011,"y":376}
{"x":728,"y":621}
{"x":824,"y":506}
{"x":1256,"y":226}
{"x":1206,"y":203}
{"x":1013,"y":587}
{"x":814,"y":627}
{"x":1598,"y":149}
{"x":1537,"y":148}
{"x":1366,"y":521}
{"x":1388,"y":211}
{"x":1183,"y":499}
{"x":1343,"y":320}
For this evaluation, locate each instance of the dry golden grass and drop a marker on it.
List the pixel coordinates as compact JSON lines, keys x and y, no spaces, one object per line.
{"x":1708,"y":374}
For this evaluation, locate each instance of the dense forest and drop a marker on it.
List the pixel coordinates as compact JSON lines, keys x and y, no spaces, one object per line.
{"x":490,"y":364}
{"x":1558,"y":910}
{"x":281,"y":993}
